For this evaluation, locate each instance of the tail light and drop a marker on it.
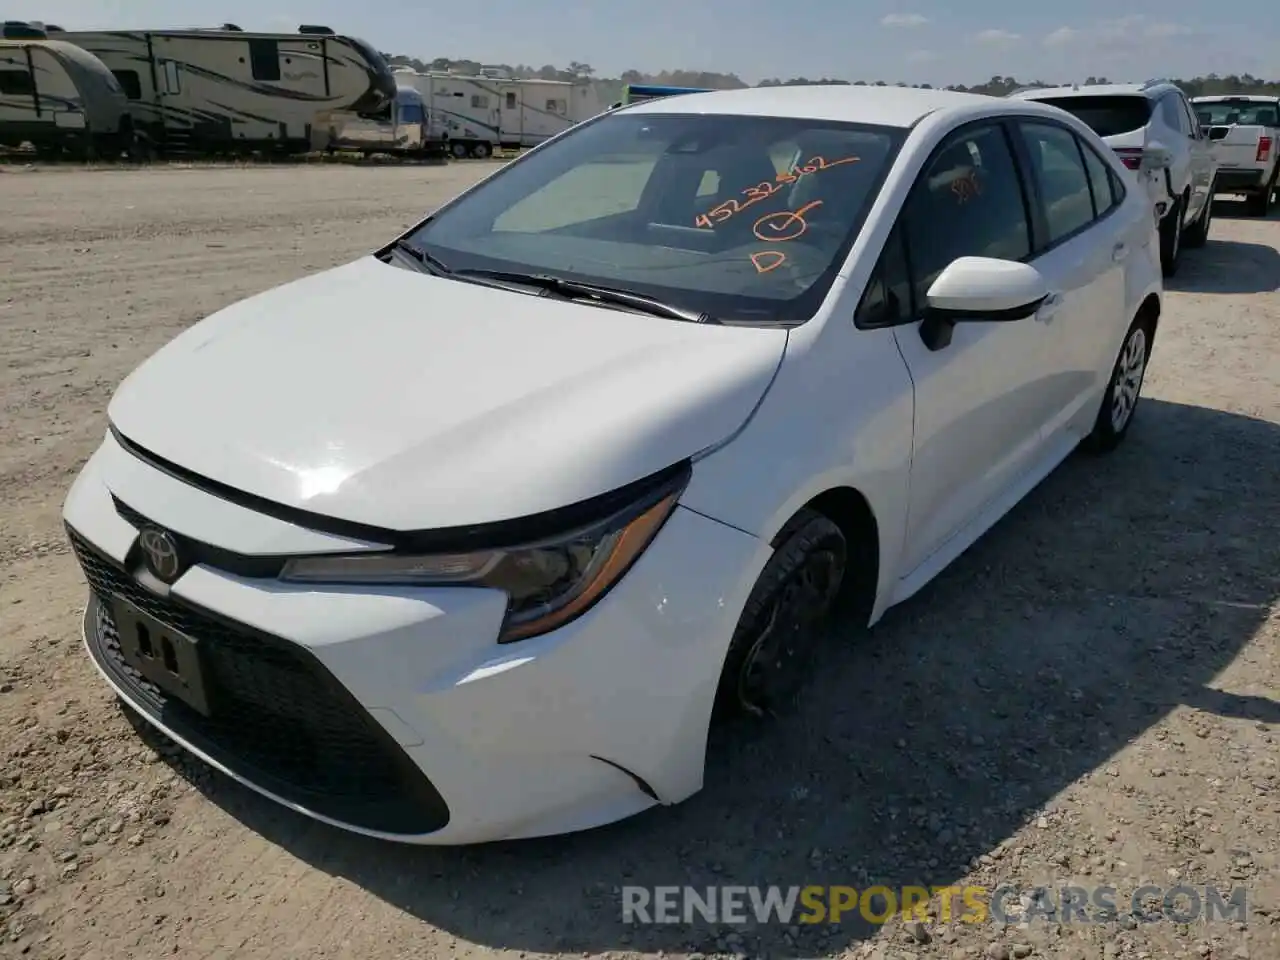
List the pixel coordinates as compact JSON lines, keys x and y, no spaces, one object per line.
{"x":1264,"y":148}
{"x":1131,"y":157}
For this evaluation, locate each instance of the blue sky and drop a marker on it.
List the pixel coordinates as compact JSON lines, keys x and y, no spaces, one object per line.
{"x":918,"y":42}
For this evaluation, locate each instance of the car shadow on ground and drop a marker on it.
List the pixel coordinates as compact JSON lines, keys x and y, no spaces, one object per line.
{"x":1235,"y":207}
{"x":1229,"y":266}
{"x":1115,"y":592}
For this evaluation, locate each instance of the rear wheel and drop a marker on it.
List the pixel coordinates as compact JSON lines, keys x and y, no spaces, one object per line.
{"x":1120,"y":402}
{"x":459,"y":149}
{"x":481,"y":151}
{"x":1171,"y":238}
{"x":1262,"y":203}
{"x":1198,"y":232}
{"x":776,"y":643}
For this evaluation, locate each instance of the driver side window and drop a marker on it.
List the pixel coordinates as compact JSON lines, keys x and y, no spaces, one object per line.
{"x":968,"y":203}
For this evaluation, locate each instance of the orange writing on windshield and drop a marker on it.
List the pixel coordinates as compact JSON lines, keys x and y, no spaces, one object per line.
{"x":779,"y":227}
{"x":766,"y":260}
{"x":764,"y":190}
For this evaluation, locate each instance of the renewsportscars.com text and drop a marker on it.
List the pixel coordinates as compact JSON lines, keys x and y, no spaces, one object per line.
{"x":963,"y":904}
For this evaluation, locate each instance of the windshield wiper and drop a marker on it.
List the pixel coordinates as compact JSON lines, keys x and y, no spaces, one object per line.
{"x":431,"y":262}
{"x":591,"y":291}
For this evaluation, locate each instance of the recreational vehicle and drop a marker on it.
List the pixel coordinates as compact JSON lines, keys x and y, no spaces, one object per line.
{"x":400,"y":130}
{"x":226,"y":90}
{"x":59,"y":98}
{"x":476,"y":115}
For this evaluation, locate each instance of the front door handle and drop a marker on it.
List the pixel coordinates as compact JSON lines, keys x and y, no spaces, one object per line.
{"x":1049,"y":308}
{"x":1118,"y":251}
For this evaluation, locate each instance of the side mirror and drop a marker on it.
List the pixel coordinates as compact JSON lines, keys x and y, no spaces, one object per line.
{"x":980,"y":290}
{"x":1156,"y":156}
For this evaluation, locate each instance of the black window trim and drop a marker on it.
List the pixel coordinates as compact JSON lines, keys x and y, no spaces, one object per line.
{"x":1088,"y":180}
{"x":1031,"y":212}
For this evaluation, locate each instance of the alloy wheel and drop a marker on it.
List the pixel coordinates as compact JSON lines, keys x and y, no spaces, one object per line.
{"x":1130,"y":369}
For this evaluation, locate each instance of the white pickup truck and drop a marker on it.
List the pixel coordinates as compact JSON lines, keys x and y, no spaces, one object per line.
{"x":1245,"y":134}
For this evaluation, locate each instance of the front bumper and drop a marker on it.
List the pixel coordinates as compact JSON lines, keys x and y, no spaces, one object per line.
{"x":393,"y":712}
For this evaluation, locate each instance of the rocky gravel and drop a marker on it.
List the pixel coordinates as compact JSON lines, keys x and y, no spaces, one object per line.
{"x":1089,"y":698}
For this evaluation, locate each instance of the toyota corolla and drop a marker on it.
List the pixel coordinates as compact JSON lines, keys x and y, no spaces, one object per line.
{"x":474,"y":537}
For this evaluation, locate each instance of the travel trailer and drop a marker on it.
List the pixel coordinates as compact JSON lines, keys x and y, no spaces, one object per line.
{"x":225,"y":90}
{"x":476,"y":115}
{"x":59,"y":98}
{"x":400,"y":130}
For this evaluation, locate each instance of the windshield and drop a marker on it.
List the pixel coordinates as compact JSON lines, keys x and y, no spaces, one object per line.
{"x":1241,"y":112}
{"x":745,"y":218}
{"x":1107,"y":116}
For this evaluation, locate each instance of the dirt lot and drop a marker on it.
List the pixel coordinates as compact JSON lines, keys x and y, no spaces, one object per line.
{"x":1088,"y":696}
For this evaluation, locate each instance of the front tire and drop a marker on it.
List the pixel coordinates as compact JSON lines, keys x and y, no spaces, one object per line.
{"x":1120,"y":402}
{"x":775,"y":644}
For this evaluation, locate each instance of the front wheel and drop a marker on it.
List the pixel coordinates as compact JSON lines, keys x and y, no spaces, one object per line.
{"x":776,"y":643}
{"x":1120,"y":402}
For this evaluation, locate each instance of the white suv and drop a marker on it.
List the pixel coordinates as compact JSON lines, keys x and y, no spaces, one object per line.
{"x":1153,"y":130}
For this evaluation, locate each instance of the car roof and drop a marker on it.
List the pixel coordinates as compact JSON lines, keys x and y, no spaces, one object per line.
{"x":1236,"y":97}
{"x":1095,"y":90}
{"x":881,"y":106}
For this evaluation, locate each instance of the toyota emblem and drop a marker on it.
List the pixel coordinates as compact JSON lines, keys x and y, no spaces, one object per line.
{"x":161,"y":552}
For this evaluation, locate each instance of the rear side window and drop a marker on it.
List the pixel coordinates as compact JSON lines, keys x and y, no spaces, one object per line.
{"x":1060,"y":173}
{"x":1109,"y":115}
{"x":1102,"y":181}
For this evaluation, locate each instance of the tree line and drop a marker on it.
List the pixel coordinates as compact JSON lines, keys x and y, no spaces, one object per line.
{"x":610,"y":88}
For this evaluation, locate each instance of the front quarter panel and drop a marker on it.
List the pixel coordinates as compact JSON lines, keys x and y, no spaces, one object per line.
{"x":839,"y":414}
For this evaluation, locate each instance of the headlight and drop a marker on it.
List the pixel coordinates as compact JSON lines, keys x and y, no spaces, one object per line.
{"x":547,"y":584}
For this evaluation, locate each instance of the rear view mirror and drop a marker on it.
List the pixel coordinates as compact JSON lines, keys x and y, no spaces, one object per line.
{"x":980,"y":290}
{"x":1155,"y":156}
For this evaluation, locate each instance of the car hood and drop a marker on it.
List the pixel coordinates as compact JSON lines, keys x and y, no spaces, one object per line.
{"x":382,"y":396}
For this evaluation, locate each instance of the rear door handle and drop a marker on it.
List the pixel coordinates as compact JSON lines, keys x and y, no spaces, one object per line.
{"x":1118,"y":251}
{"x":1049,"y":308}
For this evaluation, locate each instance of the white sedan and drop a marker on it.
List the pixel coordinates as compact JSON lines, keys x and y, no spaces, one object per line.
{"x":473,"y":538}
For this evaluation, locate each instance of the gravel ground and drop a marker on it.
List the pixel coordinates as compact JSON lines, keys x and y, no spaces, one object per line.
{"x":1088,"y":696}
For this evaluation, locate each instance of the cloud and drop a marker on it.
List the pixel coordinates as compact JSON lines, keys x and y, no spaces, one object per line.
{"x":1159,"y":31}
{"x":1061,"y":37}
{"x":1137,"y":27}
{"x":921,"y":56}
{"x":903,"y":20}
{"x":997,"y":36}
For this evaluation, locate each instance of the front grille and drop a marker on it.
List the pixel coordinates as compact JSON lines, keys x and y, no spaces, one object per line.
{"x":278,"y":717}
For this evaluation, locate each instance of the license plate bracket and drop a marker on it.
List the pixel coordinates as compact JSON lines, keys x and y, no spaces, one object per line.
{"x":163,"y":655}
